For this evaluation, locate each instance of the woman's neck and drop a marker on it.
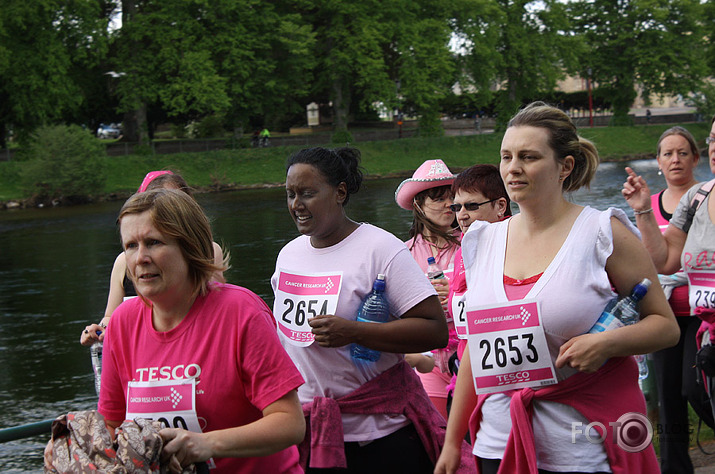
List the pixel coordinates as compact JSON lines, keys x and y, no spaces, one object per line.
{"x":537,"y":217}
{"x":676,"y":190}
{"x":166,"y":317}
{"x":434,"y":239}
{"x":342,"y":230}
{"x":673,"y":193}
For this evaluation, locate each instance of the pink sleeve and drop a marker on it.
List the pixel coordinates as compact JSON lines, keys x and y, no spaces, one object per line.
{"x":267,"y":371}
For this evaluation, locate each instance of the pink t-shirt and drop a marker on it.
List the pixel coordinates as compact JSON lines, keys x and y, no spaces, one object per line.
{"x":227,"y":342}
{"x":421,"y":250}
{"x":679,"y":297}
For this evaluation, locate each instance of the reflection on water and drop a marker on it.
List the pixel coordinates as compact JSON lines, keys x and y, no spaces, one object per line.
{"x":54,"y":275}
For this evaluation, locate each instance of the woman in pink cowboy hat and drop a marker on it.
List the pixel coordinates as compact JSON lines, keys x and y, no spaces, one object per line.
{"x":434,"y":233}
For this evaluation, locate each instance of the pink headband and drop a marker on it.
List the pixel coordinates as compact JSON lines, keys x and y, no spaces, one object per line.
{"x":150,"y":176}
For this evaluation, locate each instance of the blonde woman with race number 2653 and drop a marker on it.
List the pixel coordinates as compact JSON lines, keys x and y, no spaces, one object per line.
{"x":553,"y":265}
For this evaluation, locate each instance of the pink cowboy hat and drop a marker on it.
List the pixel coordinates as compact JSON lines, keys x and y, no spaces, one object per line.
{"x":430,"y":174}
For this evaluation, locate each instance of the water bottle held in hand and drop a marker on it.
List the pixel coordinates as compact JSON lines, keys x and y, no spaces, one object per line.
{"x":374,"y":309}
{"x":95,"y":351}
{"x":624,"y":312}
{"x":433,"y":270}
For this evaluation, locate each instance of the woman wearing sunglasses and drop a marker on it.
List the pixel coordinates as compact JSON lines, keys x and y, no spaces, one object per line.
{"x":479,"y":195}
{"x":434,"y":233}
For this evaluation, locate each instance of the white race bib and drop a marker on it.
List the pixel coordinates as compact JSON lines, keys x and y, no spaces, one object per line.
{"x":702,"y":289}
{"x":172,"y":402}
{"x":459,"y":315}
{"x":301,"y":297}
{"x":507,"y":347}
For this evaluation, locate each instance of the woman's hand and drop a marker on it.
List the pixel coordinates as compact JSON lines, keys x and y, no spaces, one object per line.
{"x":636,"y":192}
{"x":92,"y":334}
{"x":332,"y":331}
{"x":449,"y":460}
{"x":183,"y":448}
{"x":424,"y":364}
{"x":441,"y":286}
{"x":585,"y":353}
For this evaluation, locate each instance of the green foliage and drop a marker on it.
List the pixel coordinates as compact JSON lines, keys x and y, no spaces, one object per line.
{"x":341,"y":137}
{"x":210,"y":127}
{"x":63,"y":162}
{"x":519,"y":44}
{"x":704,"y":101}
{"x":46,"y":47}
{"x":654,"y":45}
{"x":259,"y":63}
{"x":178,"y":130}
{"x":430,"y":124}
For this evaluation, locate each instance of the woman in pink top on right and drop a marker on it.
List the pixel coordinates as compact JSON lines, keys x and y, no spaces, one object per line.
{"x":676,"y":378}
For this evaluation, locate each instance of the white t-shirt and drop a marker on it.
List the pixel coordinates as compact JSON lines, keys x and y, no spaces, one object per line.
{"x":357,"y":260}
{"x":572,"y":291}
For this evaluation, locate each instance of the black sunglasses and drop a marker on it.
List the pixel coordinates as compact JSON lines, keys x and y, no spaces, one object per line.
{"x":470,"y":206}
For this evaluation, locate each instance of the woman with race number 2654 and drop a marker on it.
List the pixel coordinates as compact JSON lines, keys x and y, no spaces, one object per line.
{"x":362,"y":416}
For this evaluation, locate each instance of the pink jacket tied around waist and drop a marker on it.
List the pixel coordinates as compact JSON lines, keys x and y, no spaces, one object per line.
{"x":396,"y":391}
{"x":603,"y":396}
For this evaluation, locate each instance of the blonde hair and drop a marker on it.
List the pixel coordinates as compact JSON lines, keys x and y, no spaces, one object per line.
{"x":564,"y":140}
{"x":176,"y":215}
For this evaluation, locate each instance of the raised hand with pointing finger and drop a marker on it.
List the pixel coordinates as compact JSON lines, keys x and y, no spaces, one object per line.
{"x":636,"y":192}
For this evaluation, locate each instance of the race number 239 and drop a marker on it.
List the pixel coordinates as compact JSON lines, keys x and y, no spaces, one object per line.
{"x":701,"y":289}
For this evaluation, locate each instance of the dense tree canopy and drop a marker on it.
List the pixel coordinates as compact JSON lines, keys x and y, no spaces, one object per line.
{"x":654,"y":44}
{"x":46,"y":48}
{"x":250,"y":63}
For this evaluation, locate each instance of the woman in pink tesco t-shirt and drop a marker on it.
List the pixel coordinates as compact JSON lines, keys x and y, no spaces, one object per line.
{"x":204,"y":356}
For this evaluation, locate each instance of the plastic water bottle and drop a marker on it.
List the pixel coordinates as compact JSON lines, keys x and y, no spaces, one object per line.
{"x":374,"y":309}
{"x":624,"y":312}
{"x":96,"y":352}
{"x":433,"y":270}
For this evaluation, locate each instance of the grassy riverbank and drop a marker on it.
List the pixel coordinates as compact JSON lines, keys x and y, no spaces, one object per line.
{"x":265,"y":166}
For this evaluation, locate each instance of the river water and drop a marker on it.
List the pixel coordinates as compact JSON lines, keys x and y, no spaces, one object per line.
{"x":54,"y":277}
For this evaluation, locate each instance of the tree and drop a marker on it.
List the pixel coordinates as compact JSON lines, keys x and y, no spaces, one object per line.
{"x":365,"y":49}
{"x":194,"y":59}
{"x":64,"y":162}
{"x":652,"y":44}
{"x":44,"y":46}
{"x":520,"y":47}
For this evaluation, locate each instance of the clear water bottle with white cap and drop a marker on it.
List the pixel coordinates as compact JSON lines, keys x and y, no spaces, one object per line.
{"x":624,"y":312}
{"x":95,"y":351}
{"x":374,"y":309}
